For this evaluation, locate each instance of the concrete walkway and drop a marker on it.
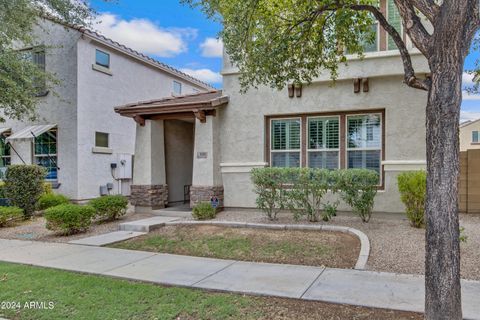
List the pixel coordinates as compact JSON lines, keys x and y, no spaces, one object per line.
{"x":363,"y":288}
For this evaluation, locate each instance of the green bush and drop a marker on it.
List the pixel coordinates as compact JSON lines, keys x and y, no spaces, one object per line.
{"x":204,"y":211}
{"x":3,"y":190}
{"x":110,"y":207}
{"x":47,"y":188}
{"x":8,"y":214}
{"x":358,"y":188}
{"x":270,"y":187}
{"x":413,"y":191}
{"x":69,"y":218}
{"x":48,"y":200}
{"x":305,"y":197}
{"x":24,"y":184}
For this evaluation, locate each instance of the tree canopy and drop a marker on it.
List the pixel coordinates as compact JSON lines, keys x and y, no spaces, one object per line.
{"x":277,"y":41}
{"x":21,"y":80}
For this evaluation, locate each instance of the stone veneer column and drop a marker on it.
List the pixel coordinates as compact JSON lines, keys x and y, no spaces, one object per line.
{"x":206,"y":179}
{"x":149,"y":189}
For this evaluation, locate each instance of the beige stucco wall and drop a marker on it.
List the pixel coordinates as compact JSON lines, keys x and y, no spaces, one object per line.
{"x":243,"y":122}
{"x":466,"y":135}
{"x":179,"y":136}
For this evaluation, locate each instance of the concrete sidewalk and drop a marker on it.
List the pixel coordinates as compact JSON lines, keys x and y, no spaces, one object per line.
{"x":363,"y":288}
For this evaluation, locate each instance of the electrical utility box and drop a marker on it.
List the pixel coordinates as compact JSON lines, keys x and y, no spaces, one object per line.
{"x":124,"y":168}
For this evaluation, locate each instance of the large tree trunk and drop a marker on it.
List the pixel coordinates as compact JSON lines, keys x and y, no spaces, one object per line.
{"x":442,"y":268}
{"x":442,"y":265}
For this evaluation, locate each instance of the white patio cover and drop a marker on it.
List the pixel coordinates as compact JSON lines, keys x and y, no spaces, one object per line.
{"x":3,"y":130}
{"x":26,"y":133}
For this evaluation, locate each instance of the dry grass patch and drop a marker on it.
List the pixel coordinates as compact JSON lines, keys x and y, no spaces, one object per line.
{"x":315,"y":248}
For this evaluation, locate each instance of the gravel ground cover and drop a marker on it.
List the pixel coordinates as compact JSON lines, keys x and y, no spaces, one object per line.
{"x":395,"y":245}
{"x":34,"y":229}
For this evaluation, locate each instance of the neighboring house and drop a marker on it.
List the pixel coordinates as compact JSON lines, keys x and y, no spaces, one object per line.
{"x":470,"y":135}
{"x":85,"y":147}
{"x":368,"y":119}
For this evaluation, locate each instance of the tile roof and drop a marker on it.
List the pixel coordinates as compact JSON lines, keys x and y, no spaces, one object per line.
{"x":138,"y":55}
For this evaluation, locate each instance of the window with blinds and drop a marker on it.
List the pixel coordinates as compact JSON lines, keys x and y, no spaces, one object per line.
{"x":475,"y":136}
{"x":364,"y":141}
{"x":323,"y":142}
{"x":395,"y":20}
{"x":285,"y":142}
{"x":368,"y":44}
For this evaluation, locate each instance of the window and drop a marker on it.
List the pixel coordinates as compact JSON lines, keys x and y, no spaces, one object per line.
{"x":368,"y":45}
{"x":323,"y":142}
{"x":395,"y":20}
{"x":101,"y":139}
{"x":5,"y":156}
{"x":343,"y":140}
{"x":177,"y":88}
{"x":285,"y":142}
{"x":37,"y":56}
{"x":474,"y":136}
{"x":102,"y":59}
{"x":364,"y":142}
{"x":45,"y":153}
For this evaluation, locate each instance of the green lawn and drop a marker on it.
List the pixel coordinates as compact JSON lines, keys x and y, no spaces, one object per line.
{"x":78,"y":296}
{"x":89,"y":297}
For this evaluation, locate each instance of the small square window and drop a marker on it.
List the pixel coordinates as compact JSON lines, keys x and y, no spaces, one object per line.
{"x":101,"y":139}
{"x":102,"y":59}
{"x":177,"y":87}
{"x":475,"y":136}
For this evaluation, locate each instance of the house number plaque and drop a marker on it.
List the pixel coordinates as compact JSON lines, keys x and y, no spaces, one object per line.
{"x":202,"y":155}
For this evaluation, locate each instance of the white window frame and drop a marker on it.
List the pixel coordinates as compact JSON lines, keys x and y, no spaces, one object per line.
{"x":324,"y":149}
{"x":347,"y":148}
{"x":109,"y":59}
{"x":108,"y":139}
{"x":478,"y":136}
{"x":51,"y":155}
{"x":299,"y":150}
{"x":173,"y":87}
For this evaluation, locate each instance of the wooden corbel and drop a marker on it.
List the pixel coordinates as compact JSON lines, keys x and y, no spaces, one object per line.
{"x":356,"y":85}
{"x":200,"y":115}
{"x":291,"y":89}
{"x":140,"y":120}
{"x":366,"y":86}
{"x":298,"y":90}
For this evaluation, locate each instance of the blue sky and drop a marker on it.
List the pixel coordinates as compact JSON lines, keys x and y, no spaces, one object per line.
{"x":185,"y":39}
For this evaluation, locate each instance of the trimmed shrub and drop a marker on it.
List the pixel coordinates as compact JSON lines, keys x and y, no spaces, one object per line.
{"x":47,"y":188}
{"x":24,"y":184}
{"x":270,"y":187}
{"x":413,"y":191}
{"x":110,"y":207}
{"x":358,"y":188}
{"x":305,"y":197}
{"x":69,"y":218}
{"x":8,"y":214}
{"x":204,"y":211}
{"x":48,"y":200}
{"x":3,"y":190}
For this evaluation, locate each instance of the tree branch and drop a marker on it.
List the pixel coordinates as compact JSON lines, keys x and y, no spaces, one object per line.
{"x":410,"y":78}
{"x":428,"y":8}
{"x":414,"y":26}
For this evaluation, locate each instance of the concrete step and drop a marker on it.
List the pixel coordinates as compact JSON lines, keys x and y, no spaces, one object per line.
{"x":146,"y":225}
{"x":107,"y":238}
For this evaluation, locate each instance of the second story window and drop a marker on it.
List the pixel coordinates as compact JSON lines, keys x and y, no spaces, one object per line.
{"x":475,"y":137}
{"x":101,"y":140}
{"x":177,"y":88}
{"x":102,"y":59}
{"x":395,"y":20}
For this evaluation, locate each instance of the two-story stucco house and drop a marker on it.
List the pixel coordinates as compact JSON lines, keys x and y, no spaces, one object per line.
{"x":470,"y":135}
{"x":86,"y":148}
{"x":368,"y":119}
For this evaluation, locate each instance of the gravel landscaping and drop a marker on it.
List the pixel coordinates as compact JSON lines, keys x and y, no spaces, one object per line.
{"x":395,"y":245}
{"x":34,"y":229}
